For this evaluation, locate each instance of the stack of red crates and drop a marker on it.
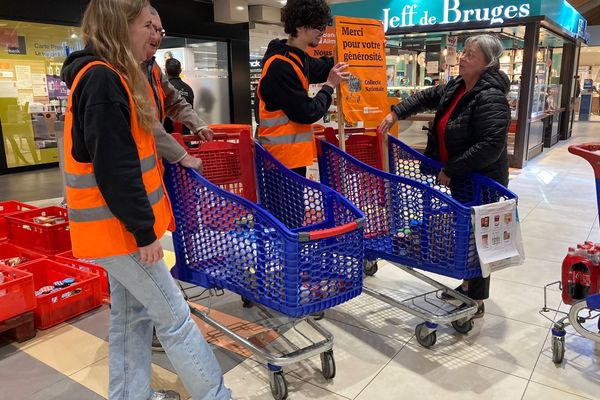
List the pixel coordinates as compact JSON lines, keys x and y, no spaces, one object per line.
{"x":36,"y":253}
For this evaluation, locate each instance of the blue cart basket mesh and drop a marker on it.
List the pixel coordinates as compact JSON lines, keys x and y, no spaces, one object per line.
{"x":409,"y":219}
{"x":299,"y":251}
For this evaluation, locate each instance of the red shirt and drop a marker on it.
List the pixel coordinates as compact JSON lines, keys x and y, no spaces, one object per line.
{"x":443,"y":122}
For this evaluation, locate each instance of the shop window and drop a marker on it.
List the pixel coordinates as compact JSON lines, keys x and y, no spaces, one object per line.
{"x":32,"y":96}
{"x":205,"y":67}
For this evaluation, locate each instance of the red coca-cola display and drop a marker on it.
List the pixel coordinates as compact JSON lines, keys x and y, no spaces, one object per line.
{"x":581,"y":272}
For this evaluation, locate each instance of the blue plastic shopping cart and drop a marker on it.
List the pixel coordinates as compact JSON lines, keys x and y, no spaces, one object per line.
{"x":414,"y":223}
{"x":298,"y":251}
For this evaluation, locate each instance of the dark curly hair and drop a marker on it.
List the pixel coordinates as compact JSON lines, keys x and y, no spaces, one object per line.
{"x":308,"y":13}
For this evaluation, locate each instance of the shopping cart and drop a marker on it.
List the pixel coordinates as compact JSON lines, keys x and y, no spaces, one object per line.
{"x":580,"y":281}
{"x":299,"y":251}
{"x":414,"y":223}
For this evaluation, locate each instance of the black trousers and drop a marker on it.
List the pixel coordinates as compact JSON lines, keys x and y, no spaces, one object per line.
{"x":479,"y":288}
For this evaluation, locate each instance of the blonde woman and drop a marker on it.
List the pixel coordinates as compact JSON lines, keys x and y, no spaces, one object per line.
{"x":118,"y":207}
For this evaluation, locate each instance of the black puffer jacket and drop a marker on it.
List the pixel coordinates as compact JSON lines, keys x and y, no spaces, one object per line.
{"x":477,"y":130}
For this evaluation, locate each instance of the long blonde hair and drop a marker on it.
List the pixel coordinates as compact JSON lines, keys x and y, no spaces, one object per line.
{"x":105,"y":27}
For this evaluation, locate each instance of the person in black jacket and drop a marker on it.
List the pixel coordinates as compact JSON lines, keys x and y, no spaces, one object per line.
{"x":281,"y":88}
{"x":470,"y":127}
{"x":173,"y":70}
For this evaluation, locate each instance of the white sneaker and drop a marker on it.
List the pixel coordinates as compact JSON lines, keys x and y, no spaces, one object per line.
{"x":165,"y":395}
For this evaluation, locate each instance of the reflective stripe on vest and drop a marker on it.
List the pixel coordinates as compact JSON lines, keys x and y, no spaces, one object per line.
{"x":306,"y":137}
{"x":288,"y":141}
{"x":83,"y":181}
{"x":103,"y":212}
{"x":271,"y":122}
{"x":95,"y":231}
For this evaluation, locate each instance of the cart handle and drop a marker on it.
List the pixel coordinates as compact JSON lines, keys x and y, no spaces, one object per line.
{"x":331,"y":232}
{"x":588,"y":151}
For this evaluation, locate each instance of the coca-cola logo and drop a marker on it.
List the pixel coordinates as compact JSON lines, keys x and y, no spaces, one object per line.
{"x":581,"y":278}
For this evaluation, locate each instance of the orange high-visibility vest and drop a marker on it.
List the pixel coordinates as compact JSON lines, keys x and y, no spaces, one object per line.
{"x":95,"y":231}
{"x":161,"y":93}
{"x":289,"y":142}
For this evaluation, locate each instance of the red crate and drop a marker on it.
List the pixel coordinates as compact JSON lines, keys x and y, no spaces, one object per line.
{"x":9,"y":250}
{"x":227,"y":160}
{"x":16,"y":292}
{"x":85,"y":265}
{"x":63,"y":304}
{"x":48,"y":240}
{"x":8,"y":208}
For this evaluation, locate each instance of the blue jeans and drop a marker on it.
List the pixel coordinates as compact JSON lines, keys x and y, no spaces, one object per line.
{"x":143,"y":296}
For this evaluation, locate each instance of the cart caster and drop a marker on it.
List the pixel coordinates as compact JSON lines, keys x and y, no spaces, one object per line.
{"x":318,"y":316}
{"x":278,"y":384}
{"x":246,"y":303}
{"x":424,"y":337}
{"x":370,"y":268}
{"x":558,"y":349}
{"x":463,"y":326}
{"x":328,"y":364}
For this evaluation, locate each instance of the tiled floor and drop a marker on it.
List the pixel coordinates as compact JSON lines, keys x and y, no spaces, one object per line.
{"x":506,"y":356}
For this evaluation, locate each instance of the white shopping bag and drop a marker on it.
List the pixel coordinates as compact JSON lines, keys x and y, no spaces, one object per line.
{"x":498,"y":236}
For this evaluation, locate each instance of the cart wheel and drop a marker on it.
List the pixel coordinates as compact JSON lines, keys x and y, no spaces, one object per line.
{"x":463,"y":326}
{"x":278,"y":384}
{"x":318,"y":315}
{"x":558,"y":349}
{"x":246,"y":303}
{"x":328,"y":364}
{"x":425,"y":339}
{"x":370,"y":268}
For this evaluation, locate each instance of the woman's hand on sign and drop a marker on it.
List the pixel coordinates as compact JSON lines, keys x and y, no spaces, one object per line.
{"x":337,"y":75}
{"x":388,"y":122}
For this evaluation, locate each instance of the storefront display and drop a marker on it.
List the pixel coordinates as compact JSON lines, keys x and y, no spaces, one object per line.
{"x":32,"y":96}
{"x":214,"y":58}
{"x":424,"y":41}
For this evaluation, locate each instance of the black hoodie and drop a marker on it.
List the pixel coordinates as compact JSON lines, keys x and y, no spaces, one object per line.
{"x":477,"y":131}
{"x":281,"y":88}
{"x":101,"y":135}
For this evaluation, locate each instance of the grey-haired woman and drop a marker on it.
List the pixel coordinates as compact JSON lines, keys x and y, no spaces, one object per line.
{"x":470,"y":128}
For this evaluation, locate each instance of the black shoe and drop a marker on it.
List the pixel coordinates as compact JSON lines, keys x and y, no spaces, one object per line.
{"x":478,"y":314}
{"x":156,"y":345}
{"x":447,"y":296}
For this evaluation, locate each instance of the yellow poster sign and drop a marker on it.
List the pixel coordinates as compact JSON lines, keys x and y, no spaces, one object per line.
{"x":360,"y":44}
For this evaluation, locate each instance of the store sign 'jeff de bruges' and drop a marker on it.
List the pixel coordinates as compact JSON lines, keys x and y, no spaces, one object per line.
{"x":452,"y":13}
